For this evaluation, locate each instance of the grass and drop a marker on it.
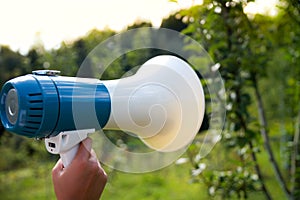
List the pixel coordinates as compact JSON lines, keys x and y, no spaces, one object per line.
{"x":33,"y":181}
{"x":27,"y":183}
{"x":169,"y":183}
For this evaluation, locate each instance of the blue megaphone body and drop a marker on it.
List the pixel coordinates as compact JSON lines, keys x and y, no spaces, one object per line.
{"x":40,"y":105}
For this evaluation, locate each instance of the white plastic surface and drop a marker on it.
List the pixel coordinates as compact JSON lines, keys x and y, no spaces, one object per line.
{"x":69,"y":155}
{"x":66,"y":144}
{"x":163,"y":103}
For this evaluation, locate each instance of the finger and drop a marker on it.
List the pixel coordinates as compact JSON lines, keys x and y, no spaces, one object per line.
{"x":93,"y":155}
{"x":95,"y":159}
{"x":87,"y":143}
{"x":58,"y":168}
{"x":84,"y":150}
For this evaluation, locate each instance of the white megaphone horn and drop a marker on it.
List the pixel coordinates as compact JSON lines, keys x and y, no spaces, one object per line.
{"x":163,"y":103}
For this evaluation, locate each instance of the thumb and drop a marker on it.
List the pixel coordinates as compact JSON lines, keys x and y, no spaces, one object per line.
{"x":87,"y":143}
{"x":84,"y":150}
{"x":57,"y":169}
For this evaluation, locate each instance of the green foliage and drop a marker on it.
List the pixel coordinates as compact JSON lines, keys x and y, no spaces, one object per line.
{"x":254,"y":54}
{"x":27,"y":183}
{"x":17,"y":151}
{"x":11,"y":64}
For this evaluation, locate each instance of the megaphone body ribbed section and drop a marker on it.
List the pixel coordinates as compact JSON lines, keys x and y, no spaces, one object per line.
{"x":48,"y":105}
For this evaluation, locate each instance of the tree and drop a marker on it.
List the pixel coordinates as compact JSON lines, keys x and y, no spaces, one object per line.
{"x":12,"y":64}
{"x":289,"y":29}
{"x":242,"y":47}
{"x":222,"y":27}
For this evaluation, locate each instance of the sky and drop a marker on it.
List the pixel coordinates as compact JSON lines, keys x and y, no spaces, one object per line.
{"x":26,"y":22}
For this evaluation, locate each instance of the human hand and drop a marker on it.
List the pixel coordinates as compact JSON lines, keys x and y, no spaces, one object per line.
{"x":83,"y":179}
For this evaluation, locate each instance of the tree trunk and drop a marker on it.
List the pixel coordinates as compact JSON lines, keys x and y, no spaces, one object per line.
{"x":266,"y":140}
{"x":253,"y":155}
{"x":259,"y":174}
{"x":295,"y":161}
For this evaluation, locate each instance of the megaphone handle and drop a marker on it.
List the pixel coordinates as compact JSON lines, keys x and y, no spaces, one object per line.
{"x":69,"y":155}
{"x":66,"y":144}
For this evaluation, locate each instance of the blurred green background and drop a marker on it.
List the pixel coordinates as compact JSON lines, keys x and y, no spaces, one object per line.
{"x":258,"y":156}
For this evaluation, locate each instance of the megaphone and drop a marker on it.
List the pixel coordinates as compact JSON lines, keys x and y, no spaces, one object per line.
{"x":162,"y":103}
